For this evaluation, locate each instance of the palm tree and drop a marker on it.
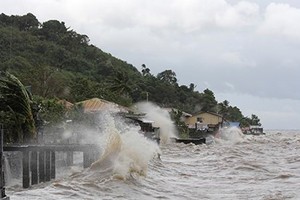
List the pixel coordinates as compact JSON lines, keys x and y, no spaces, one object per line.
{"x":120,"y":84}
{"x":16,"y":101}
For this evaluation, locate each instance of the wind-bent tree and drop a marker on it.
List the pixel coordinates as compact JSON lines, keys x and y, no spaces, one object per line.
{"x":15,"y":104}
{"x":120,"y":86}
{"x":120,"y":83}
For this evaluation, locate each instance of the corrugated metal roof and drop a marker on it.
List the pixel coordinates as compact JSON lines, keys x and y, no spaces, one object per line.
{"x":96,"y":105}
{"x":212,"y":113}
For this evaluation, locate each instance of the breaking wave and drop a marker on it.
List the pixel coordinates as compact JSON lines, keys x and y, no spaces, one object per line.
{"x":231,"y":135}
{"x":126,"y":152}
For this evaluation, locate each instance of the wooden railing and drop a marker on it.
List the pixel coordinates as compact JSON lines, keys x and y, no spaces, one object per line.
{"x":38,"y":161}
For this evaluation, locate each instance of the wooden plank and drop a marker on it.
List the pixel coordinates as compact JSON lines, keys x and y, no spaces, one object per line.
{"x":2,"y":163}
{"x":190,"y":140}
{"x":48,"y":166}
{"x":34,"y":168}
{"x":86,"y":158}
{"x":70,"y":158}
{"x":52,"y":173}
{"x":2,"y":178}
{"x":42,"y":166}
{"x":25,"y":164}
{"x":57,"y":147}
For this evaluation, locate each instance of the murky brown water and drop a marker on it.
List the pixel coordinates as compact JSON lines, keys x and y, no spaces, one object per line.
{"x":239,"y":167}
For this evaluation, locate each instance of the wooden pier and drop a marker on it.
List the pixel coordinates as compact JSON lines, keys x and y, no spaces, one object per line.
{"x":38,"y":161}
{"x":190,"y":140}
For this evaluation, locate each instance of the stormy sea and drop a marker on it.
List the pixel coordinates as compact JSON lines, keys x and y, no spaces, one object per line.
{"x":232,"y":166}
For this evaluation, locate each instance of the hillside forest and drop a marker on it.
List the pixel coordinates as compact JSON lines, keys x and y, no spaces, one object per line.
{"x":55,"y":62}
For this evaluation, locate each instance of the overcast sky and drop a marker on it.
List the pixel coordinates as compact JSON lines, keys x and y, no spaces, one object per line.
{"x":247,"y":52}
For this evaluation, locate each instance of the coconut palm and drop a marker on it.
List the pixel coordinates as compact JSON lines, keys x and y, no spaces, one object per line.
{"x":15,"y":101}
{"x":120,"y":83}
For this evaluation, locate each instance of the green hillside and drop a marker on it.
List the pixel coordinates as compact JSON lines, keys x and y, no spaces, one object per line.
{"x":56,"y":62}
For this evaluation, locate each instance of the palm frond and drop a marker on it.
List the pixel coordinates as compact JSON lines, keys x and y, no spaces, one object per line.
{"x":15,"y":98}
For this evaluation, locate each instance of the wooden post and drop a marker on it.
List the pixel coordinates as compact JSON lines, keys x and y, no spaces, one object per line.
{"x":89,"y":156}
{"x":2,"y":178}
{"x":86,"y":159}
{"x":48,"y":166}
{"x":26,"y":175}
{"x":52,"y":165}
{"x":42,"y":166}
{"x":45,"y":158}
{"x":1,"y":163}
{"x":70,"y":159}
{"x":34,"y":168}
{"x":96,"y":155}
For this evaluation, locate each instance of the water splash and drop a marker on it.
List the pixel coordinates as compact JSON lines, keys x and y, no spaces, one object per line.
{"x":125,"y":151}
{"x":232,"y":135}
{"x":161,"y":119}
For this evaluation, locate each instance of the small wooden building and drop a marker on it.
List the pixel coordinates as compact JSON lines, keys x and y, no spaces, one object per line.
{"x":212,"y":120}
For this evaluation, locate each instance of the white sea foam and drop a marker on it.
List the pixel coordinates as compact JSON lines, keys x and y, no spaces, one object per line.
{"x":126,"y":152}
{"x":230,"y":135}
{"x":161,"y":119}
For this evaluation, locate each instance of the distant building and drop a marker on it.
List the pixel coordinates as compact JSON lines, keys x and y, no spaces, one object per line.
{"x":209,"y":119}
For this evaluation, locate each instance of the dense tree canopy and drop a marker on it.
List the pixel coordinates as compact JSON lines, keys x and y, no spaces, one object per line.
{"x":167,"y":76}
